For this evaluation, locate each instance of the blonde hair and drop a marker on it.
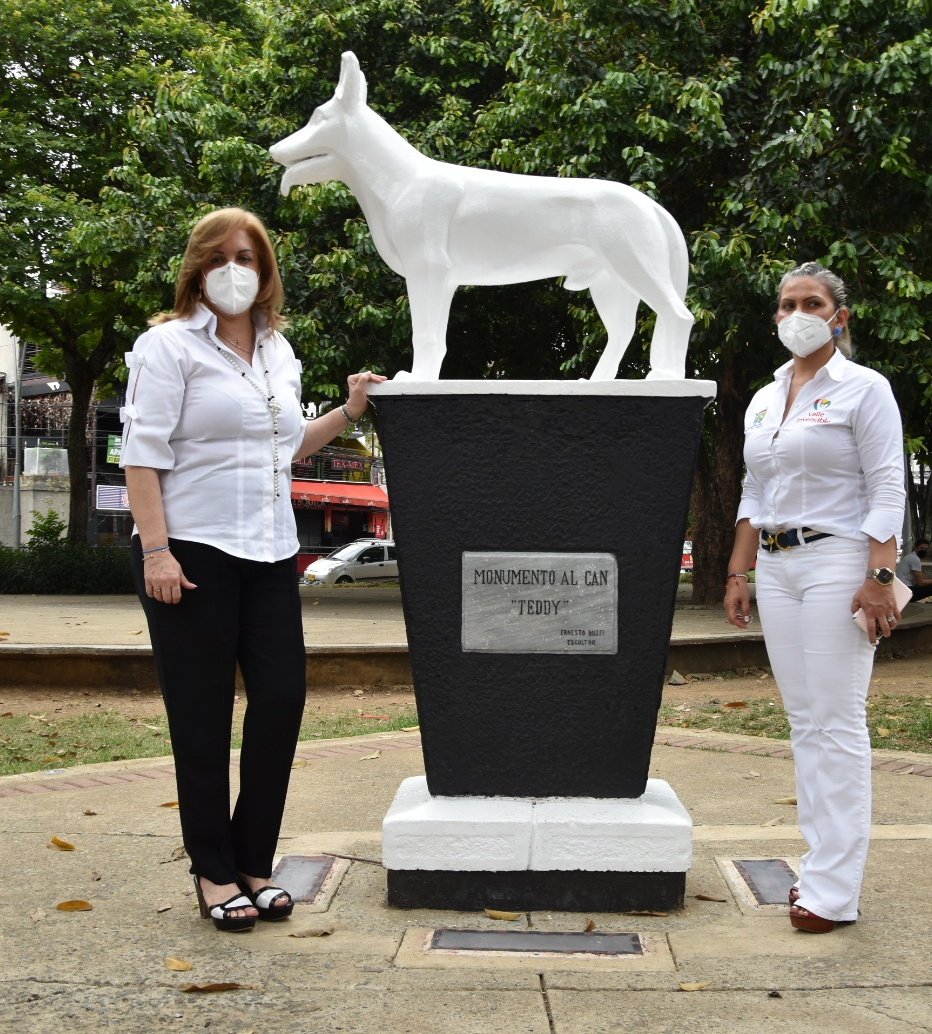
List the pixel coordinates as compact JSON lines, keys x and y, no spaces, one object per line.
{"x":208,"y":234}
{"x":836,"y":288}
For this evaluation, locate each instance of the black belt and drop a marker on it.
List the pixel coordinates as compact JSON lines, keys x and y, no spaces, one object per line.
{"x":786,"y":539}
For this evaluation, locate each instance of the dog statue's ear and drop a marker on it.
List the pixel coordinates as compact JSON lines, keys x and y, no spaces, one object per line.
{"x":351,"y":89}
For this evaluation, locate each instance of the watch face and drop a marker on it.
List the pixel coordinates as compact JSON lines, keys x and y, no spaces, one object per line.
{"x":883,"y":575}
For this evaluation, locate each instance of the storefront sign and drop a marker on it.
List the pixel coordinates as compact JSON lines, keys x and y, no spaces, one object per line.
{"x":114,"y":445}
{"x":540,"y":603}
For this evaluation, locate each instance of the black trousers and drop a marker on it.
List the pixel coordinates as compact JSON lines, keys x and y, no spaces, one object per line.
{"x":246,"y":613}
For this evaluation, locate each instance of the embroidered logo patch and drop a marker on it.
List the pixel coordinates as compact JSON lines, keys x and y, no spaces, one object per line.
{"x":758,"y":419}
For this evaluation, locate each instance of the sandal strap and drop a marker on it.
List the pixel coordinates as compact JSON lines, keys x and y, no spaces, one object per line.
{"x":238,"y":901}
{"x":264,"y":898}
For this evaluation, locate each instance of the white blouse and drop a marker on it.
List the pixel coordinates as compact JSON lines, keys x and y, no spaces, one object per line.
{"x":195,"y":418}
{"x":835,"y":464}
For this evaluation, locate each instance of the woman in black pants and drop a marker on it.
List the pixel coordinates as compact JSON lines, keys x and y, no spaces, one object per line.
{"x":212,"y":424}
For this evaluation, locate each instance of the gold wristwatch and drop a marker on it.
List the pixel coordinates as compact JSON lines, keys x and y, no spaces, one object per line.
{"x":881,"y":575}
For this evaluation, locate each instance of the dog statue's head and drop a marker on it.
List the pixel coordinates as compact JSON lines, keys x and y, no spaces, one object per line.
{"x":317,"y":152}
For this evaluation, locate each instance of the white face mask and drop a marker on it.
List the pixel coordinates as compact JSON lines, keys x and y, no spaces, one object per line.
{"x":804,"y":333}
{"x":232,"y":288}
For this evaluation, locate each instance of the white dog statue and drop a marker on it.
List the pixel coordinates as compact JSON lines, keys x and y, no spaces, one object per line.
{"x":440,"y":226}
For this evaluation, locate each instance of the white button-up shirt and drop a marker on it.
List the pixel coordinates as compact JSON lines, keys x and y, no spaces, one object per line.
{"x":194,"y":418}
{"x":835,"y":464}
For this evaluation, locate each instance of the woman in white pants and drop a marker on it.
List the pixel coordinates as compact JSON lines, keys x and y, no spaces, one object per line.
{"x":821,"y":508}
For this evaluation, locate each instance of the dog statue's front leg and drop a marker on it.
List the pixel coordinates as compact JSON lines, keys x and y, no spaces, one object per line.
{"x":430,"y":294}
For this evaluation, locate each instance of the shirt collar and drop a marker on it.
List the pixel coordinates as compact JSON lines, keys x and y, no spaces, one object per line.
{"x":834,"y":368}
{"x":204,"y":319}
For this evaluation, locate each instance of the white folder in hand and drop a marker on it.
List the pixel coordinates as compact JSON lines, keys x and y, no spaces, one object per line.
{"x":902,"y":593}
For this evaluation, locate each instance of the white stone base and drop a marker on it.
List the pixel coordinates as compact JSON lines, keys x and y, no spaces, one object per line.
{"x":650,"y":833}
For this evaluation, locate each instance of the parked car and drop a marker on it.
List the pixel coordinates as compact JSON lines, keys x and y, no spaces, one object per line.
{"x":364,"y":560}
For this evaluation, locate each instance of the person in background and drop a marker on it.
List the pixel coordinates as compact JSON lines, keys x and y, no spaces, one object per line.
{"x":212,"y":424}
{"x":909,"y":570}
{"x":822,"y":504}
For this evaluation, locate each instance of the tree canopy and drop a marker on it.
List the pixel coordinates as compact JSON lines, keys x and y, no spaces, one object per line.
{"x":775,"y":131}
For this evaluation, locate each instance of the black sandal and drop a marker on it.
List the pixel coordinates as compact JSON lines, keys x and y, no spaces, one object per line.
{"x":263,"y":900}
{"x":220,"y":914}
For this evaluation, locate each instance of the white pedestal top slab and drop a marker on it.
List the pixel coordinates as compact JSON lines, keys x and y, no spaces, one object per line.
{"x":657,"y":387}
{"x":651,"y":833}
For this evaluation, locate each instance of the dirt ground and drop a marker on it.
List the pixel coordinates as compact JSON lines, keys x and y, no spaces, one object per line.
{"x":899,"y":676}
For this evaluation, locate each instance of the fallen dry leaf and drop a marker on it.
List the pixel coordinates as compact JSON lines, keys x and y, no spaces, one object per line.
{"x":164,"y":908}
{"x":37,"y":915}
{"x":62,"y":845}
{"x":785,"y":800}
{"x":209,"y":988}
{"x":6,"y":714}
{"x":372,"y":757}
{"x":176,"y":856}
{"x":707,"y":897}
{"x":178,"y":965}
{"x":138,"y":631}
{"x":87,"y":811}
{"x":751,"y":775}
{"x":410,"y":728}
{"x":74,"y":906}
{"x":590,"y":926}
{"x":299,"y":763}
{"x":773,"y":822}
{"x":169,"y":804}
{"x":319,"y":931}
{"x":646,"y":912}
{"x":494,"y":913}
{"x":883,"y":731}
{"x":736,"y":703}
{"x":696,"y":985}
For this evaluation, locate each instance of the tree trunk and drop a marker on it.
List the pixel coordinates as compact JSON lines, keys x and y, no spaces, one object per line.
{"x":717,"y":489}
{"x":81,"y":382}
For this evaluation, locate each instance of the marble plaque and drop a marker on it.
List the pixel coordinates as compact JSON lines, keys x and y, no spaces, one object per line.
{"x":540,"y":603}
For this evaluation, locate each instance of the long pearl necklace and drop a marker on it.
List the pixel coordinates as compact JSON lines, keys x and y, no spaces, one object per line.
{"x":268,"y":397}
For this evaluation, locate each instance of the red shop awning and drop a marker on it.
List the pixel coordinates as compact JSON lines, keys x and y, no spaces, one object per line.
{"x":341,"y":493}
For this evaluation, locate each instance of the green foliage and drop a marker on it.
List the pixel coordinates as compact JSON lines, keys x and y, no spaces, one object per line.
{"x":47,"y":529}
{"x":775,"y":132}
{"x":64,"y":568}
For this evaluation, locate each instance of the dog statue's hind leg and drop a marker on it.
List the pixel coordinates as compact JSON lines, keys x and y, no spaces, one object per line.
{"x":669,"y":343}
{"x":617,"y":305}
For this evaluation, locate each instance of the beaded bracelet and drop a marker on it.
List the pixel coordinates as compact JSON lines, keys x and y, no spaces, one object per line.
{"x":736,"y":574}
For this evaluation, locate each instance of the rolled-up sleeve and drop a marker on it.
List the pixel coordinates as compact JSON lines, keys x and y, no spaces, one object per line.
{"x":750,"y":499}
{"x":878,"y":431}
{"x":154,"y":394}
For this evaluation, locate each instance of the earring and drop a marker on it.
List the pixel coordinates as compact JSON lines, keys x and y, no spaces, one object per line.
{"x":837,"y":331}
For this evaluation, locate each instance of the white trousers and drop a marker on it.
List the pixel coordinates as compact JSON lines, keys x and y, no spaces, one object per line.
{"x":822,"y":663}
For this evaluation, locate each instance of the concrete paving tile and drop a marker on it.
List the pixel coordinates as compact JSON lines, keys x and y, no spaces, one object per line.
{"x":751,"y":1012}
{"x":271,"y":1009}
